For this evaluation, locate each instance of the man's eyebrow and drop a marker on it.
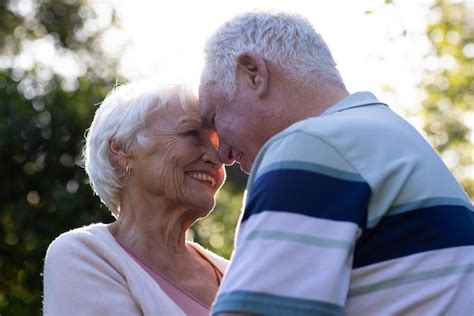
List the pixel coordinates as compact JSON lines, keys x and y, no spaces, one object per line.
{"x":208,"y":119}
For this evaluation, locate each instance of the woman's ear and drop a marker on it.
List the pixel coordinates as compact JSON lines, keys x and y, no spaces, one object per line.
{"x":255,"y":72}
{"x":118,"y":155}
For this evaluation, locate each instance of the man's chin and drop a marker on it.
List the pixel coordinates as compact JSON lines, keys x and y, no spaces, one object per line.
{"x":244,"y":170}
{"x":245,"y":167}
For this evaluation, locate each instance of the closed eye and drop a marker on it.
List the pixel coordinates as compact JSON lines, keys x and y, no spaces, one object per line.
{"x":191,"y":133}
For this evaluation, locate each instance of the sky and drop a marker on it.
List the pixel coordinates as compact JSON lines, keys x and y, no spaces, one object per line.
{"x":377,"y":47}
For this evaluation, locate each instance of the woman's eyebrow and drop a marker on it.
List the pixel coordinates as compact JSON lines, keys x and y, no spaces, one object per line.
{"x":188,"y":122}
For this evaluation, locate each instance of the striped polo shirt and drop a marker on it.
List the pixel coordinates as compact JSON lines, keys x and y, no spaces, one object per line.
{"x":352,"y":212}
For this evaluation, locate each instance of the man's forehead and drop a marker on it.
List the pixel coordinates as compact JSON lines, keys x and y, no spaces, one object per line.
{"x":205,"y":85}
{"x":207,"y":100}
{"x":208,"y":89}
{"x":206,"y":103}
{"x":207,"y":116}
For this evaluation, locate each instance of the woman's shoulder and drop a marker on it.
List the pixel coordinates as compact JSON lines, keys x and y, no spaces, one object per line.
{"x":220,"y":262}
{"x":78,"y":239}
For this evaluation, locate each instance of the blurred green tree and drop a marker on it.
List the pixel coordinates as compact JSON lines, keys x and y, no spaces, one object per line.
{"x":52,"y":73}
{"x":448,"y":112}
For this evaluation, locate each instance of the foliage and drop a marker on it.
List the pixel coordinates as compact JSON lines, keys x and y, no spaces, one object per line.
{"x":44,"y":111}
{"x":448,"y":112}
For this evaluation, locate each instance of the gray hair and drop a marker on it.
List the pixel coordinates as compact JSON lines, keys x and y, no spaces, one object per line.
{"x":287,"y":40}
{"x":122,"y":116}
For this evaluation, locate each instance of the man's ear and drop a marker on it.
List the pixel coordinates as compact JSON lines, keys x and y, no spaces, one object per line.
{"x":252,"y":66}
{"x":118,"y":155}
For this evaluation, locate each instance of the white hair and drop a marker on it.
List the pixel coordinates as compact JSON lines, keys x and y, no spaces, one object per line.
{"x":122,"y":116}
{"x":287,"y":40}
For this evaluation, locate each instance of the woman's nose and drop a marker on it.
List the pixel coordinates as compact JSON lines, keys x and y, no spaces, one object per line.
{"x":211,"y":156}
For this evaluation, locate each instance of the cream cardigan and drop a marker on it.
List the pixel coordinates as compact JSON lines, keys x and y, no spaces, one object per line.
{"x":87,"y":272}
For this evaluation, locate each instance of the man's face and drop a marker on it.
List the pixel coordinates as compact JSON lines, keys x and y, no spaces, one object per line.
{"x":239,"y":126}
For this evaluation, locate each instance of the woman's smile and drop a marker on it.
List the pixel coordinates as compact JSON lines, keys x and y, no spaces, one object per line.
{"x":203,"y":177}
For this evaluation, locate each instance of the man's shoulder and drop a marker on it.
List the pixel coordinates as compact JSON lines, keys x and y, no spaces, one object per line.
{"x":353,"y":140}
{"x":370,"y":118}
{"x":305,"y":146}
{"x":358,"y":127}
{"x":350,"y":126}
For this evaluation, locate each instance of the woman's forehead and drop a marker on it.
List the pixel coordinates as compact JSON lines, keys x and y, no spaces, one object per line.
{"x":174,"y":117}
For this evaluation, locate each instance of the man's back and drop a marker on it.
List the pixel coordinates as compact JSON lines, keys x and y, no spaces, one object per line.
{"x":352,"y":212}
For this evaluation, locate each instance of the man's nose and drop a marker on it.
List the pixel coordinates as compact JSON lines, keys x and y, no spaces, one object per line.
{"x":225,"y":154}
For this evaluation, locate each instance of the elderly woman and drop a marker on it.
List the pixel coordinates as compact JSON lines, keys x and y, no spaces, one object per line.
{"x":156,"y":168}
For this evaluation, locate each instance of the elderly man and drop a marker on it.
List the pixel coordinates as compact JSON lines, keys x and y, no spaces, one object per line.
{"x":348,"y":209}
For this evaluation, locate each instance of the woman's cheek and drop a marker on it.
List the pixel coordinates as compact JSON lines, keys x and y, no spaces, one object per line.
{"x":167,"y":169}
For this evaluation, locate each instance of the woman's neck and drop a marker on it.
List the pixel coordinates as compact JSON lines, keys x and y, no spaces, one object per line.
{"x":155,"y":231}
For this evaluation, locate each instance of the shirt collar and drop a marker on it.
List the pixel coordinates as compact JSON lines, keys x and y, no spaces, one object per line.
{"x":352,"y":101}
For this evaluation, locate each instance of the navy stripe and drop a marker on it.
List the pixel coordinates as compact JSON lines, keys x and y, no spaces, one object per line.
{"x":269,"y":304}
{"x":423,"y":203}
{"x":424,"y":229}
{"x":314,"y":167}
{"x":309,"y":193}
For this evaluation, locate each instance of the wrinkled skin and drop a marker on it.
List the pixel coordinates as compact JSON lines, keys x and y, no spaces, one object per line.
{"x":176,"y":144}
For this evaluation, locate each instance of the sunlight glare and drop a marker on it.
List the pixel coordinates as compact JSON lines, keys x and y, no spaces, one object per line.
{"x":377,"y":47}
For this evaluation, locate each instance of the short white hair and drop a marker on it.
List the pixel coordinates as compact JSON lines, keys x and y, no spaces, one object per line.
{"x":287,"y":40}
{"x":122,"y":116}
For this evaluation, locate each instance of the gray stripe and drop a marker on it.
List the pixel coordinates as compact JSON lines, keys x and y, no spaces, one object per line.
{"x":406,"y":207}
{"x":411,"y":278}
{"x":313,"y":167}
{"x":299,"y":238}
{"x":270,"y":304}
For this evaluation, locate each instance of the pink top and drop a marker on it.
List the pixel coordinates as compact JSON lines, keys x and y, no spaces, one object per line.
{"x":189,"y":304}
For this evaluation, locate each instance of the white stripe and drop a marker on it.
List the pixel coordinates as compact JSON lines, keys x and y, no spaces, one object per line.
{"x":289,"y":269}
{"x":449,"y":295}
{"x":301,"y":224}
{"x":429,"y":260}
{"x":283,"y":268}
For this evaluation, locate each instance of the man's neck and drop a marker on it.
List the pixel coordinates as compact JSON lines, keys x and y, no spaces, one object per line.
{"x":314,"y":101}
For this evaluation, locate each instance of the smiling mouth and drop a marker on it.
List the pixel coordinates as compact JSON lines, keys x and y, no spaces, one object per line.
{"x":203,"y":177}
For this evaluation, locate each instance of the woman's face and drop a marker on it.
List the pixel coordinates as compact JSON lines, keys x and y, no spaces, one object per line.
{"x":179,"y":160}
